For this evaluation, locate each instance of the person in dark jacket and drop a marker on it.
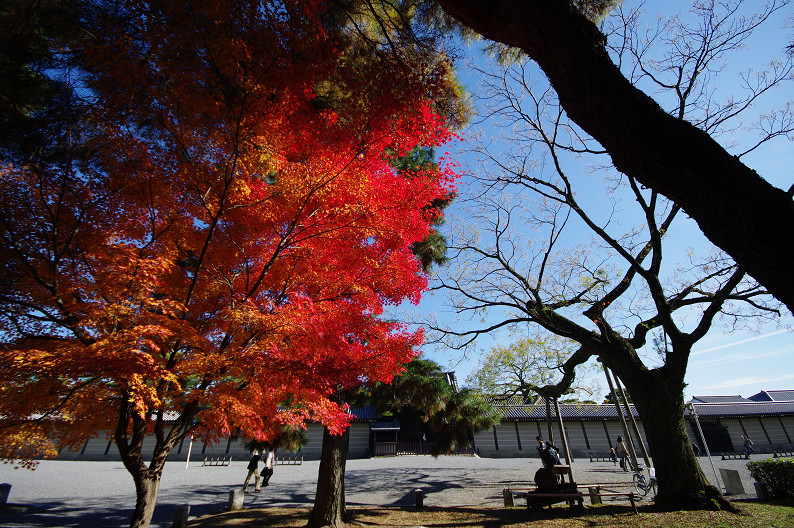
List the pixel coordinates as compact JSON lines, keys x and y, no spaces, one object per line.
{"x":253,"y":467}
{"x":550,"y":456}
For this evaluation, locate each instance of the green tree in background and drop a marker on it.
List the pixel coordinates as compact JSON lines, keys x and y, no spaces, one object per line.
{"x":523,"y":365}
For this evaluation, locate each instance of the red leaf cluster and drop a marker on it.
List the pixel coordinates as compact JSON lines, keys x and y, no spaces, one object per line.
{"x":224,"y":256}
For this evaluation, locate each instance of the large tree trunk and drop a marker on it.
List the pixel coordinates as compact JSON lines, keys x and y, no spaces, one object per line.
{"x":735,"y":208}
{"x":329,"y":501}
{"x":147,"y":482}
{"x":147,"y":485}
{"x":659,"y":399}
{"x":131,"y":430}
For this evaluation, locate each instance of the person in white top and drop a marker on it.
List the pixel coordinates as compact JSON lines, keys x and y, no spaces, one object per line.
{"x":270,"y":461}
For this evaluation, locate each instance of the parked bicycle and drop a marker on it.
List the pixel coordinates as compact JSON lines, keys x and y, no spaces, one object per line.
{"x":642,"y":483}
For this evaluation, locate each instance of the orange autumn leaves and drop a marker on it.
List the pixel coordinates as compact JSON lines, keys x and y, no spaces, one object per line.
{"x":232,"y":242}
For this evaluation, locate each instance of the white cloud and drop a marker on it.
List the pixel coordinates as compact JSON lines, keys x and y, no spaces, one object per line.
{"x":741,"y":382}
{"x":742,"y":342}
{"x":740,"y":356}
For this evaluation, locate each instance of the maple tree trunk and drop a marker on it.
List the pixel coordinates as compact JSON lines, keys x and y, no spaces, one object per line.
{"x":147,"y":485}
{"x":329,"y":501}
{"x":734,"y":207}
{"x":129,"y":441}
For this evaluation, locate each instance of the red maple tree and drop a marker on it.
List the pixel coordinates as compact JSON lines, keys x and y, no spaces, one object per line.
{"x":220,"y":261}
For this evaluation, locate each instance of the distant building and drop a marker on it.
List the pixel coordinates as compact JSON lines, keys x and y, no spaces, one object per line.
{"x":766,"y":417}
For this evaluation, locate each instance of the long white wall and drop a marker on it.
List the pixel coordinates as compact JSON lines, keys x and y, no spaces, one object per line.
{"x":594,"y":437}
{"x":103,"y":448}
{"x":509,"y":439}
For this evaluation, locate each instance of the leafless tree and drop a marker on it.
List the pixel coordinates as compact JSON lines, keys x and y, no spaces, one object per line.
{"x":737,"y":209}
{"x":545,"y":182}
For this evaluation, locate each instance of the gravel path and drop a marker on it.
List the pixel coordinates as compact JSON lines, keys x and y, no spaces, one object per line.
{"x":101,"y":494}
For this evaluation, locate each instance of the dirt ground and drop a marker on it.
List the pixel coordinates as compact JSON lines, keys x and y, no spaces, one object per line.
{"x":754,"y":515}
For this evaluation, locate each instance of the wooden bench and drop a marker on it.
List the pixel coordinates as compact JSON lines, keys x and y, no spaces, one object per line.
{"x":733,"y":456}
{"x":782,"y":454}
{"x":593,"y":492}
{"x":600,"y":459}
{"x":579,"y":498}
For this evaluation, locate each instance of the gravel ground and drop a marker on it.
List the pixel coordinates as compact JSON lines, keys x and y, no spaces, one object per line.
{"x":101,"y":494}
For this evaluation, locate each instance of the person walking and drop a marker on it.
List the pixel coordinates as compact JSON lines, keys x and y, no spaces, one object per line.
{"x":267,"y":472}
{"x":253,"y":471}
{"x":748,"y":446}
{"x":623,"y":454}
{"x":540,"y":446}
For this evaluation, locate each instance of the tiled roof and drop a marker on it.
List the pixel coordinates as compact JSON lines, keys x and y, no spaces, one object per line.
{"x":719,"y":399}
{"x":513,"y":410}
{"x":781,"y":395}
{"x":776,"y":395}
{"x":364,"y":413}
{"x":451,"y":379}
{"x":752,"y":408}
{"x":567,"y":411}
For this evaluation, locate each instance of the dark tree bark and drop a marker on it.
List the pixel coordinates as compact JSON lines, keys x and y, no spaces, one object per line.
{"x":129,"y":436}
{"x":735,"y":208}
{"x":329,"y":501}
{"x":659,"y":399}
{"x":147,"y":485}
{"x":147,"y":479}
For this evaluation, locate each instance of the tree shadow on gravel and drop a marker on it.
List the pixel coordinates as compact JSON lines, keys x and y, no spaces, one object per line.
{"x":60,"y":515}
{"x":404,"y":517}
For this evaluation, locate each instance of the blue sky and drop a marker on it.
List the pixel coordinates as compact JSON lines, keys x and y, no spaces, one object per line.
{"x":726,"y":361}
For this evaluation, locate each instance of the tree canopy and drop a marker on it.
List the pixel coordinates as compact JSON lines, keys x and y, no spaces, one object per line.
{"x":217,"y":257}
{"x":523,"y":365}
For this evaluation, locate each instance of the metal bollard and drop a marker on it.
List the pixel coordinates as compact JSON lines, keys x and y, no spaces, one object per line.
{"x":180,"y":517}
{"x":419,"y":499}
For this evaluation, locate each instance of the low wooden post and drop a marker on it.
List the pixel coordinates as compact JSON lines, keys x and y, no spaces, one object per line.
{"x":595,"y":494}
{"x":508,"y":497}
{"x":5,"y":489}
{"x":180,"y":517}
{"x":631,"y":500}
{"x":419,"y":498}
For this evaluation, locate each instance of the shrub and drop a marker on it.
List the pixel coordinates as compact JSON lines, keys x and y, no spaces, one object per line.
{"x":776,"y":473}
